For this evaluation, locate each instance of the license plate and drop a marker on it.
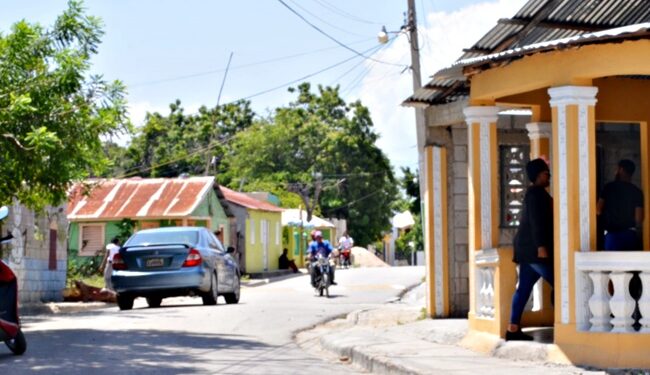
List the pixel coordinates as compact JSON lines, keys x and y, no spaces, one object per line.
{"x":154,"y":262}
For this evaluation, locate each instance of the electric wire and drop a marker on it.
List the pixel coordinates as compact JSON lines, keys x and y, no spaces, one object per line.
{"x":257,"y":63}
{"x":332,"y":38}
{"x":322,"y":20}
{"x":343,"y":13}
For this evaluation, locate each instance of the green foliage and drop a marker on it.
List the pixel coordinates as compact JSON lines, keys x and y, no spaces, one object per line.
{"x":126,"y":227}
{"x":167,"y":146}
{"x":403,"y":246}
{"x":82,"y":267}
{"x":411,"y":186}
{"x":319,"y":133}
{"x":52,"y":111}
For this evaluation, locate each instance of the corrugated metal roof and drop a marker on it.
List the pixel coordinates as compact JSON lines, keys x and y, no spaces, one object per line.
{"x":248,"y":201}
{"x":115,"y":199}
{"x":536,"y":22}
{"x":293,"y":216}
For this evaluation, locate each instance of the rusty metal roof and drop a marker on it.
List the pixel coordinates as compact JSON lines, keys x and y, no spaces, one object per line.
{"x":247,"y":201}
{"x":536,"y":22}
{"x":137,"y":198}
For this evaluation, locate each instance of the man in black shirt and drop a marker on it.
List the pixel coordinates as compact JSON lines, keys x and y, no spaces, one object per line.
{"x":620,"y":208}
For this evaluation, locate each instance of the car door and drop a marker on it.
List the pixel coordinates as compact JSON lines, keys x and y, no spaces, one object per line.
{"x":223,"y":274}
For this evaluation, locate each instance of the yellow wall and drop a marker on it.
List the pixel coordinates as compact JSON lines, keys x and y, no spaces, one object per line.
{"x":578,"y":66}
{"x":254,"y":249}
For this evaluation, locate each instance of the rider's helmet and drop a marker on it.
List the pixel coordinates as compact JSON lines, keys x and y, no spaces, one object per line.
{"x":318,"y":234}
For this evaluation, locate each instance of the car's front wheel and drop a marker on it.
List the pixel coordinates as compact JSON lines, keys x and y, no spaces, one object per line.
{"x":233,"y":297}
{"x":210,"y":298}
{"x":125,"y":302}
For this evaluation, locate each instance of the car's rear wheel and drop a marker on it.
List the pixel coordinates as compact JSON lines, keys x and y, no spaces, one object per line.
{"x":125,"y":302}
{"x":154,"y":301}
{"x":210,"y":298}
{"x":233,"y":297}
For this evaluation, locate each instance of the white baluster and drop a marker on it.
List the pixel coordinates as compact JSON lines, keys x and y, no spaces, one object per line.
{"x":644,"y":302}
{"x":480,"y":293}
{"x":622,"y":303}
{"x":490,"y":292}
{"x":599,"y":303}
{"x":485,"y":290}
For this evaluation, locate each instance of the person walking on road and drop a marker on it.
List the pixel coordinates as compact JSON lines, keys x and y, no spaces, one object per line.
{"x":107,"y":263}
{"x":533,"y":244}
{"x":620,"y":207}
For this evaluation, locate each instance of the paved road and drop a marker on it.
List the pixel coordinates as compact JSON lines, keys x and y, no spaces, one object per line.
{"x":253,"y":337}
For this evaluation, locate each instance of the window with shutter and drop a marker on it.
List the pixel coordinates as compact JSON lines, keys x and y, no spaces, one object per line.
{"x":92,"y":239}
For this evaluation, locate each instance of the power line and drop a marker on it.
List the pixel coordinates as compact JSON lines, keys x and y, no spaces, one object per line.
{"x":306,"y":76}
{"x":334,"y":39}
{"x":322,"y":20}
{"x":343,"y":13}
{"x":220,"y":70}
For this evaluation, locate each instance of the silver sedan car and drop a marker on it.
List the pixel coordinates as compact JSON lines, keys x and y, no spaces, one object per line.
{"x":174,"y":261}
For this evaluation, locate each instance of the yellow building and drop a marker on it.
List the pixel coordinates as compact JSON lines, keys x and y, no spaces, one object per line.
{"x":568,"y":80}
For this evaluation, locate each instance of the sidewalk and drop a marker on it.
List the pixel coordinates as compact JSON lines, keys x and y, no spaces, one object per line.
{"x":396,"y":339}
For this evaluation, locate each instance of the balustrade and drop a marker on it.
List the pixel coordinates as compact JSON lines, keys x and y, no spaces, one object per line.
{"x":603,"y":299}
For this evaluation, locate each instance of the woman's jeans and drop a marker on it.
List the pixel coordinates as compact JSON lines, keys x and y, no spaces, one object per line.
{"x":529,"y":273}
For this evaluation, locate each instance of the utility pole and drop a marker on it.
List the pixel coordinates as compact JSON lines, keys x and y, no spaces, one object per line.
{"x":420,"y":115}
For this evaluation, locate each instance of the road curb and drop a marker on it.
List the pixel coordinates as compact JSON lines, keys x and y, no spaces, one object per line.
{"x":51,"y":308}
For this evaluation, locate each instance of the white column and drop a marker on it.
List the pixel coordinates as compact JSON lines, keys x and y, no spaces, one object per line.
{"x":644,"y":302}
{"x":482,"y":176}
{"x":622,"y":303}
{"x":573,"y":171}
{"x":540,"y":134}
{"x":599,"y":303}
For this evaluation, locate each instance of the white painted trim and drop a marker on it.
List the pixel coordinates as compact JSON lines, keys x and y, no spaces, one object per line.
{"x":437,"y":228}
{"x":564,"y":214}
{"x":486,"y":186}
{"x":482,"y":115}
{"x":539,"y":130}
{"x":614,"y":261}
{"x":584,"y":156}
{"x":572,"y":95}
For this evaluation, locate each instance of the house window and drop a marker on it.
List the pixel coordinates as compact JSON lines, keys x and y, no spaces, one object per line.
{"x":513,"y":159}
{"x":91,"y":239}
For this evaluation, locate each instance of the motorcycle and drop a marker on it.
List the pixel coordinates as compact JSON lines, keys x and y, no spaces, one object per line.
{"x":344,"y":258}
{"x":323,"y":282}
{"x":10,"y":331}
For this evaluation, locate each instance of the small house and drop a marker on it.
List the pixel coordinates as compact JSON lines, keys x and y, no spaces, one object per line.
{"x":258,"y":231}
{"x":99,"y":215}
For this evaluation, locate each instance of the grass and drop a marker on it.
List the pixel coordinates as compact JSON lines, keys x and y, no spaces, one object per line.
{"x":94,"y":280}
{"x":423,"y":314}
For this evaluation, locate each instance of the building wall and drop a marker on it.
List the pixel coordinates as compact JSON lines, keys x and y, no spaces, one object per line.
{"x":211,"y":207}
{"x":111,"y":229}
{"x":254,"y":245}
{"x":40,"y":268}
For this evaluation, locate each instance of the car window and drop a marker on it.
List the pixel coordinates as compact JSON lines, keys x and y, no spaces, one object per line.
{"x":161,"y":237}
{"x":213,"y":242}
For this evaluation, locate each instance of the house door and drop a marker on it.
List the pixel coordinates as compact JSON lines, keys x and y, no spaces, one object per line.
{"x":265,"y":242}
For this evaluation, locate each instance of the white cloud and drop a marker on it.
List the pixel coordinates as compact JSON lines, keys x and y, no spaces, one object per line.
{"x":441,"y":44}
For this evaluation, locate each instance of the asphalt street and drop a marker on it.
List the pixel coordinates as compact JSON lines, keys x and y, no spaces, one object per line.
{"x":183,"y":336}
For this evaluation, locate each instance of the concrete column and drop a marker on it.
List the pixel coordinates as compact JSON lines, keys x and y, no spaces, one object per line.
{"x":574,"y":175}
{"x":435,"y":231}
{"x":482,"y":177}
{"x":540,"y":140}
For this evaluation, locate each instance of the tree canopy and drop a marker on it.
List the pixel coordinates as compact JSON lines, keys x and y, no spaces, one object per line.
{"x":167,"y":146}
{"x":53,"y":113}
{"x":318,"y":144}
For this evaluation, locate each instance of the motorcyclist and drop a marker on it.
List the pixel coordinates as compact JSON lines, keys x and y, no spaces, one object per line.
{"x":345,"y":245}
{"x":319,"y":246}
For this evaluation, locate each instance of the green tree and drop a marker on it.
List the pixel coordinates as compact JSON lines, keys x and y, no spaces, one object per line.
{"x":319,"y":143}
{"x":166,"y":146}
{"x":53,"y":113}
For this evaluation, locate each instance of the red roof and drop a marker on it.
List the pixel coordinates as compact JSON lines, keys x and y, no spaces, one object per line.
{"x":138,"y":198}
{"x":248,"y":201}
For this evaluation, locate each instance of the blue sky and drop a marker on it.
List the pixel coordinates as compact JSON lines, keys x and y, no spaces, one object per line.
{"x":165,"y":50}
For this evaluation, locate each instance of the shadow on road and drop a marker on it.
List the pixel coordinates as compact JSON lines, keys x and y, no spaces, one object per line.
{"x":86,"y":351}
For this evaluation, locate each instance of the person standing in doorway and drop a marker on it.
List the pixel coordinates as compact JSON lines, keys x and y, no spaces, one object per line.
{"x":620,"y":207}
{"x":533,"y":244}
